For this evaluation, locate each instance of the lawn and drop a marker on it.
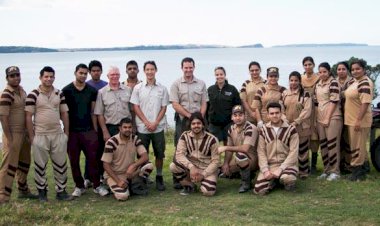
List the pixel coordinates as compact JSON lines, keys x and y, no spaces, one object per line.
{"x":314,"y":203}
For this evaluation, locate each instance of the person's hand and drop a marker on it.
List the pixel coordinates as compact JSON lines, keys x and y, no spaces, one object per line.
{"x":294,"y":124}
{"x":121,"y":184}
{"x":226,"y":169}
{"x":198,"y":178}
{"x":106,"y":135}
{"x":260,"y":124}
{"x":357,"y":125}
{"x":131,"y":170}
{"x":195,"y":173}
{"x":222,"y":149}
{"x":277,"y":173}
{"x":268,"y":175}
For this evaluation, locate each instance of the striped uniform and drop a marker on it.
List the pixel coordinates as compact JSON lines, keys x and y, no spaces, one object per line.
{"x":121,"y":155}
{"x":358,"y":93}
{"x":49,"y":139}
{"x":327,"y":93}
{"x":200,"y":152}
{"x":298,"y":111}
{"x":16,"y":156}
{"x":265,"y":95}
{"x":248,"y":92}
{"x":277,"y":150}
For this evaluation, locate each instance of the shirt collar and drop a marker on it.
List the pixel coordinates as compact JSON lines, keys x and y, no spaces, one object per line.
{"x":284,"y":124}
{"x":56,"y":91}
{"x":121,"y":86}
{"x":184,"y":81}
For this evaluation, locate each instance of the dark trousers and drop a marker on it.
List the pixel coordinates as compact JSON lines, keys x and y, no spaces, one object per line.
{"x":181,"y":125}
{"x":99,"y":155}
{"x":88,"y":143}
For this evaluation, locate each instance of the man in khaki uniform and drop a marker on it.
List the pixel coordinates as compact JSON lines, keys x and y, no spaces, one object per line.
{"x":196,"y":158}
{"x":241,"y":140}
{"x":277,"y":152}
{"x":124,"y":159}
{"x":16,"y":146}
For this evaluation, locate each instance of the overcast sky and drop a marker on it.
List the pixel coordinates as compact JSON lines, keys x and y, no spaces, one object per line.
{"x":111,"y":23}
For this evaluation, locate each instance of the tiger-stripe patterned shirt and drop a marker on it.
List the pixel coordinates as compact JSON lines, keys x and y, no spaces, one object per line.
{"x":265,"y":95}
{"x":248,"y":92}
{"x":278,"y":149}
{"x":200,"y":152}
{"x":247,"y":134}
{"x":12,"y":104}
{"x":327,"y":92}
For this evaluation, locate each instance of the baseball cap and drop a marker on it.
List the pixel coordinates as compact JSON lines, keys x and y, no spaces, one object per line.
{"x":237,"y":108}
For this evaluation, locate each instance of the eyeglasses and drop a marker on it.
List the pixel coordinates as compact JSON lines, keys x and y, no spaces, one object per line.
{"x":14,"y":75}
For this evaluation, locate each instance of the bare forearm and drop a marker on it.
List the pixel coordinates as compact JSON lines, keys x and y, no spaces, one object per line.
{"x":110,"y":172}
{"x":102,"y":123}
{"x":65,"y":121}
{"x":180,"y":110}
{"x":29,"y":125}
{"x":161,"y":115}
{"x":140,"y":114}
{"x":241,"y":148}
{"x":203,"y":108}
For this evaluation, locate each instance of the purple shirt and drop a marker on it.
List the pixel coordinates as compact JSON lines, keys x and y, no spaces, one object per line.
{"x":97,"y":85}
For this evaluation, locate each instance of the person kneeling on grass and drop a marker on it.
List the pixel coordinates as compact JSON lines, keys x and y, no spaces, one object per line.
{"x":125,"y":161}
{"x":196,"y":158}
{"x":277,"y":152}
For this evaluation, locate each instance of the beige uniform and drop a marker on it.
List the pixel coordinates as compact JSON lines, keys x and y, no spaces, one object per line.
{"x":326,"y":93}
{"x":277,"y":150}
{"x":121,"y":155}
{"x":265,"y":95}
{"x":200,"y":152}
{"x":16,"y":156}
{"x":298,"y":109}
{"x":248,"y":92}
{"x":358,"y":93}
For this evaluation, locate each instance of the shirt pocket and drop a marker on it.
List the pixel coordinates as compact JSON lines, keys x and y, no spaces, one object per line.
{"x":197,"y":97}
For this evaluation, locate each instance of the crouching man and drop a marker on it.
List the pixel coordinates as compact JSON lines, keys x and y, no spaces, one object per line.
{"x":125,"y":159}
{"x":196,"y":158}
{"x":277,"y":152}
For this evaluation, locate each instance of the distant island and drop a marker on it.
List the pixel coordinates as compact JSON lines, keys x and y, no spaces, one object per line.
{"x":30,"y":49}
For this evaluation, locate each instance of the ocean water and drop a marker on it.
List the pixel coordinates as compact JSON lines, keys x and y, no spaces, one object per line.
{"x":234,"y":60}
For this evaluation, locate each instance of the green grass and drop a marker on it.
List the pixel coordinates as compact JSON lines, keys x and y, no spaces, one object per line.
{"x":314,"y":203}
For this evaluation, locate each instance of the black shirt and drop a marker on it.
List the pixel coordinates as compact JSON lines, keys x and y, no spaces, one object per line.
{"x":79,"y":103}
{"x":221,"y":102}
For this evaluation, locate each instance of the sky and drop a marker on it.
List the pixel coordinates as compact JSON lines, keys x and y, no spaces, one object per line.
{"x":123,"y":23}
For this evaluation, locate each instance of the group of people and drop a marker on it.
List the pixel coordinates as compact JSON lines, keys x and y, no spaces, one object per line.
{"x":263,"y":127}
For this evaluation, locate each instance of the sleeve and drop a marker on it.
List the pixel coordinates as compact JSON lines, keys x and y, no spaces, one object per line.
{"x":204,"y":93}
{"x":180,"y":154}
{"x":94,"y":93}
{"x":243,"y":91}
{"x":62,"y":104}
{"x":236,"y":98}
{"x":30,"y":102}
{"x":306,"y":111}
{"x":215,"y":160}
{"x":365,"y":92}
{"x":139,"y":146}
{"x":334,"y":91}
{"x":292,"y":158}
{"x":99,"y":106}
{"x":165,"y":100}
{"x":262,"y":153}
{"x":173,"y":96}
{"x":257,"y":104}
{"x":135,"y":96}
{"x":6,"y":101}
{"x":109,"y":149}
{"x":251,"y":135}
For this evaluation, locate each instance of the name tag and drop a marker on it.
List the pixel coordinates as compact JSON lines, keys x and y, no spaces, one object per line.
{"x":228,"y":93}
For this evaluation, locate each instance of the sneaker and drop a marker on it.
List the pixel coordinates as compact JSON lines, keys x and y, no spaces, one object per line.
{"x":87,"y":184}
{"x":187,"y":190}
{"x":101,"y":191}
{"x":322,"y":176}
{"x":63,"y":196}
{"x":26,"y":195}
{"x":78,"y":192}
{"x":333,"y":177}
{"x":160,"y":186}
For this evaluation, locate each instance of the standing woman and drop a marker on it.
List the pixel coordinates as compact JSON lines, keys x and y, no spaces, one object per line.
{"x":309,"y":80}
{"x":329,"y":121}
{"x":358,"y":117}
{"x":270,"y":92}
{"x":298,"y":105}
{"x":222,"y":97}
{"x":249,"y":89}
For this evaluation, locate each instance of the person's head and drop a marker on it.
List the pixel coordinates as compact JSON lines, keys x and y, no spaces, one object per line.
{"x":294,"y":80}
{"x":220,"y":75}
{"x":254,"y":69}
{"x":238,"y":115}
{"x":324,"y":71}
{"x":81,"y":71}
{"x":113,"y":75}
{"x":96,"y":69}
{"x":308,"y":64}
{"x":342,"y":69}
{"x":47,"y":76}
{"x":125,"y":127}
{"x":274,"y":112}
{"x":188,"y":66}
{"x":150,"y":69}
{"x":272,"y":75}
{"x":197,"y":122}
{"x":13,"y":76}
{"x":132,"y":69}
{"x":358,"y":68}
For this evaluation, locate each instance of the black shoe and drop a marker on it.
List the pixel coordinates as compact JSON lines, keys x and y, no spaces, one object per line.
{"x":26,"y":195}
{"x":42,"y":195}
{"x":176,"y":184}
{"x":358,"y":174}
{"x":187,"y":190}
{"x":244,"y":187}
{"x":366,"y":167}
{"x":314,"y":158}
{"x":290,"y":187}
{"x":63,"y":196}
{"x":160,"y":186}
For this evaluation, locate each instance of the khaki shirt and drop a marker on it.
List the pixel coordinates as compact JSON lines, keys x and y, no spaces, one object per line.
{"x":309,"y":83}
{"x":358,"y":93}
{"x":150,"y":100}
{"x":121,"y":154}
{"x":113,"y":104}
{"x":12,"y":104}
{"x":46,"y":110}
{"x":189,"y":95}
{"x":279,"y":149}
{"x":247,"y":135}
{"x":264,"y":96}
{"x":201,"y":152}
{"x":325,"y":93}
{"x":248,"y":92}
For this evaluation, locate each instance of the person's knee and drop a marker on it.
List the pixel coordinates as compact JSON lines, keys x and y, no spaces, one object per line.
{"x":208,"y":187}
{"x":122,"y":196}
{"x":206,"y":192}
{"x":288,"y":179}
{"x":242,"y":160}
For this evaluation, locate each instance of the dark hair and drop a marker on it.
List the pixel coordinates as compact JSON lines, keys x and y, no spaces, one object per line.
{"x":79,"y":66}
{"x":298,"y":75}
{"x":95,"y":63}
{"x":125,"y":121}
{"x":46,"y":69}
{"x":132,"y":62}
{"x":327,"y":66}
{"x":254,"y":63}
{"x":188,"y":60}
{"x":344,"y":63}
{"x":360,"y":62}
{"x":273,"y":105}
{"x":308,"y":58}
{"x":220,"y":68}
{"x":151,"y":62}
{"x":197,"y":115}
